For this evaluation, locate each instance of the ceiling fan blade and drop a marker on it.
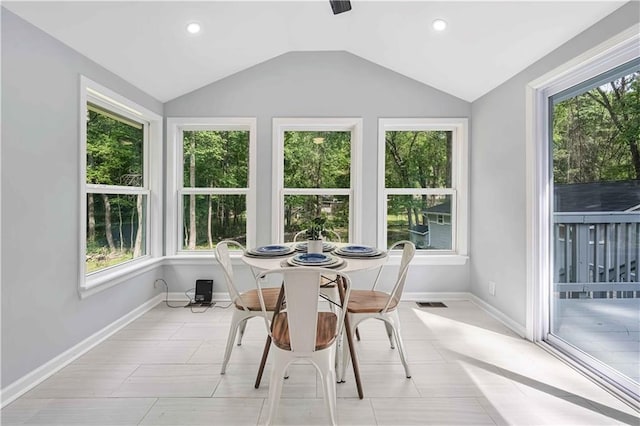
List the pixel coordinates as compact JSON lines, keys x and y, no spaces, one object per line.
{"x":339,"y":6}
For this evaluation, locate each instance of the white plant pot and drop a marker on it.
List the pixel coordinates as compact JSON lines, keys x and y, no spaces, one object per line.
{"x":314,"y":246}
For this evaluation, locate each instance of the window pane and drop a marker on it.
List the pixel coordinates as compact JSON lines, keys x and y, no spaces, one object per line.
{"x":418,"y":159}
{"x":317,"y":159}
{"x":116,"y":230}
{"x":208,"y":219}
{"x":299,"y":211}
{"x":424,"y":220}
{"x":216,"y":158}
{"x":115,"y":149}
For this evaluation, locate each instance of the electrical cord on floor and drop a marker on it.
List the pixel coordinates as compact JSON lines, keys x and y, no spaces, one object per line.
{"x":214,"y":305}
{"x":166,"y":299}
{"x":206,"y":308}
{"x":191,"y":303}
{"x":222,"y":307}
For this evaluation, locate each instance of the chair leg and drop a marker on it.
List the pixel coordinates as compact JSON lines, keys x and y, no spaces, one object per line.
{"x":233,"y":329}
{"x":403,"y":357}
{"x":243,"y":325}
{"x":345,"y":351}
{"x":326,"y":367}
{"x":263,"y":361}
{"x":345,"y":357}
{"x":340,"y":340}
{"x":389,"y":333}
{"x":278,"y":367}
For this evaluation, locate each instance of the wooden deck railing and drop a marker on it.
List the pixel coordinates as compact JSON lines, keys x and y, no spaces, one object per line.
{"x":597,"y":252}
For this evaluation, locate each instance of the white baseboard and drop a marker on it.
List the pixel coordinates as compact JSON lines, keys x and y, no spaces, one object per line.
{"x":434,"y":296}
{"x":495,"y":313}
{"x":30,"y":380}
{"x":181,"y":297}
{"x":409,"y":297}
{"x":406,"y":297}
{"x":514,"y":326}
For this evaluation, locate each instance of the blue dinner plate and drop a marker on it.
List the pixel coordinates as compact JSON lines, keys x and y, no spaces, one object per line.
{"x":357,"y":249}
{"x":272,"y":249}
{"x":312,"y":258}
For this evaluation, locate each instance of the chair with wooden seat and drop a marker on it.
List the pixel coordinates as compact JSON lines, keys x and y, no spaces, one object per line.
{"x":380,"y":305}
{"x":246,"y":304}
{"x":303,"y":331}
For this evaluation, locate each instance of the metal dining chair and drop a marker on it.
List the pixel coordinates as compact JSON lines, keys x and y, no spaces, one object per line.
{"x":303,"y":331}
{"x":380,"y":305}
{"x":246,"y":304}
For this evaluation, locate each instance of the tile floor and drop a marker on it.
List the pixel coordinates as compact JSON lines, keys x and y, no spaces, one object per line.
{"x":467,"y":368}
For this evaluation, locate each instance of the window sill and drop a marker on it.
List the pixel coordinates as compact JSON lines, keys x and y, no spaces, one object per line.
{"x":431,"y":259}
{"x":394,"y":259}
{"x":196,"y":259}
{"x":106,"y":279}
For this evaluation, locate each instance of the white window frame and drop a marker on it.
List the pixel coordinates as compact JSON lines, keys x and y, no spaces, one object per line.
{"x":91,"y":283}
{"x":459,"y":190}
{"x":353,"y":125}
{"x":614,"y":52}
{"x":175,"y":185}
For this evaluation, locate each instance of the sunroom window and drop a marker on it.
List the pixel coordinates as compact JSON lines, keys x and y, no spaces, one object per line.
{"x":117,"y":183}
{"x":116,"y":191}
{"x":423,"y":184}
{"x":214,"y":182}
{"x":315,"y":164}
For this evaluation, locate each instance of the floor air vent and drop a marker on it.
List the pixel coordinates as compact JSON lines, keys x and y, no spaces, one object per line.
{"x":431,"y":304}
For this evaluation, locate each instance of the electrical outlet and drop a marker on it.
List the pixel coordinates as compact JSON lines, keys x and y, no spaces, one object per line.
{"x":492,"y":288}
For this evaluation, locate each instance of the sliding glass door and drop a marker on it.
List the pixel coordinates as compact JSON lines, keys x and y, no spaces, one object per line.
{"x":595,"y":223}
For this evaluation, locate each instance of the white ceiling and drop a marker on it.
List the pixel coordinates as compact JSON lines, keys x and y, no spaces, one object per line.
{"x":146,"y":43}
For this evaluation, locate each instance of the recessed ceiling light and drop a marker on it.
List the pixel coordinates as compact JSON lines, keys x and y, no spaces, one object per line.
{"x":439,"y":25}
{"x":193,"y":28}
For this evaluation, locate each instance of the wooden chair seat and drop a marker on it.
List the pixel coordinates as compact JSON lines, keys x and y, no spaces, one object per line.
{"x":327,"y":325}
{"x":252,"y":301}
{"x":369,"y":301}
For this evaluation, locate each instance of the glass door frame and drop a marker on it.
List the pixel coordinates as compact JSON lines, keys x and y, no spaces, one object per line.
{"x":614,"y":52}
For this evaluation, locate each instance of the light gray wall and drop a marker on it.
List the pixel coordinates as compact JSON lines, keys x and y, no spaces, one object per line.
{"x":498,"y":221}
{"x":42,"y":314}
{"x":323,"y":84}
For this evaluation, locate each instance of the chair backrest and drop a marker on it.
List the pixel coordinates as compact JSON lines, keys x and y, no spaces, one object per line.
{"x":302,"y":291}
{"x":408,"y":251}
{"x":223,"y":258}
{"x":328,"y":235}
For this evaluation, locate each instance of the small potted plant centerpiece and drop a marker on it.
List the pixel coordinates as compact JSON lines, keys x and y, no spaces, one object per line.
{"x":314,"y":235}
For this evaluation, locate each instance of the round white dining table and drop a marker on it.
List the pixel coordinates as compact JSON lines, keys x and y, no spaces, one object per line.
{"x":350,"y":264}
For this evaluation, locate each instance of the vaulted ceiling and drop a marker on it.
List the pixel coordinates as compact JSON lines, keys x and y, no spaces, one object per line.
{"x":146,"y":42}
